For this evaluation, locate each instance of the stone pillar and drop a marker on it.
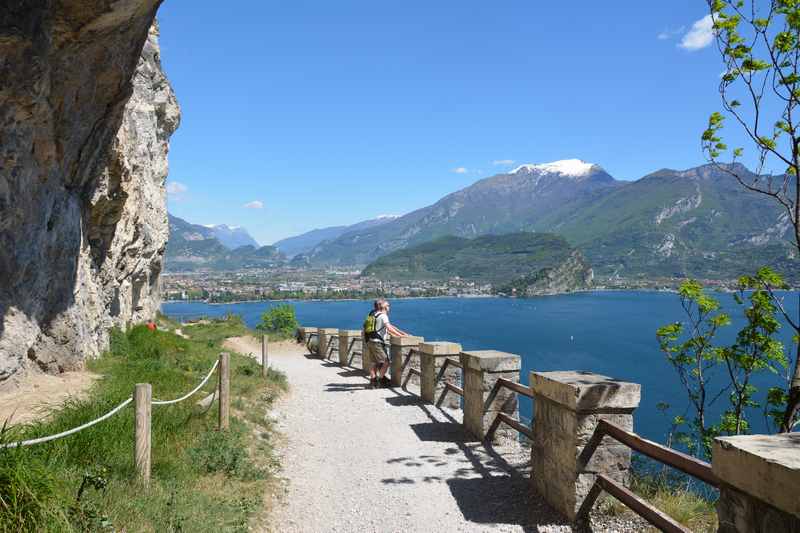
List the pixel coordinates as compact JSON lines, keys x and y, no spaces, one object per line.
{"x":567,"y":408}
{"x":325,"y":335}
{"x":481,"y":371}
{"x":400,"y":346}
{"x":759,"y":483}
{"x":346,"y":338}
{"x":305,"y":333}
{"x":432,"y":357}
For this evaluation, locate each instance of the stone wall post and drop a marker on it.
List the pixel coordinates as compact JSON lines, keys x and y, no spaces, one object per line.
{"x":305,"y":333}
{"x":481,"y":371}
{"x":346,"y":338}
{"x":325,"y":335}
{"x":400,"y":346}
{"x":432,"y":357}
{"x":759,"y":483}
{"x":567,"y":407}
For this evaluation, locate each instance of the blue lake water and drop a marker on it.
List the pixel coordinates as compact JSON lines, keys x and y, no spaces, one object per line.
{"x":611,"y":333}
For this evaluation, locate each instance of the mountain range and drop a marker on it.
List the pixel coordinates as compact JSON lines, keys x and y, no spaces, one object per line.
{"x":232,"y":237}
{"x":698,"y":222}
{"x":193,"y":246}
{"x":305,"y":242}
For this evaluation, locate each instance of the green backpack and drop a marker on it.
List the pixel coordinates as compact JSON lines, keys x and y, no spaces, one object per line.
{"x":369,"y":326}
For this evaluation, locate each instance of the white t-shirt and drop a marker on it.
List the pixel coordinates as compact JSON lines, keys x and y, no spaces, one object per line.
{"x":381,"y":323}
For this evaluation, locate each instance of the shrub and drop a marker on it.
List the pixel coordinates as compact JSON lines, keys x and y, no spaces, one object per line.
{"x":279,"y":321}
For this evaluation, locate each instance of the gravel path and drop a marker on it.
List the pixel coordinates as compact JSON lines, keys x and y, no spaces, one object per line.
{"x":357,"y":459}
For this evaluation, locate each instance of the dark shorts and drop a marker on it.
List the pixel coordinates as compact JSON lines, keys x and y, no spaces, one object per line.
{"x":378,"y":352}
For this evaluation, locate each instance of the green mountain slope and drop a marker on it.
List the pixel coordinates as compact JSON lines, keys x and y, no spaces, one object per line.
{"x":489,"y":259}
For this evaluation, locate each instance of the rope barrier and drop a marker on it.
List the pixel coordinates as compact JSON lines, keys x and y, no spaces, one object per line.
{"x":69,"y":431}
{"x":109,"y":414}
{"x":205,"y":380}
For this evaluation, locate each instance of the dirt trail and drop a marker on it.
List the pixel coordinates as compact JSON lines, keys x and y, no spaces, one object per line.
{"x":358,"y":459}
{"x":36,"y":393}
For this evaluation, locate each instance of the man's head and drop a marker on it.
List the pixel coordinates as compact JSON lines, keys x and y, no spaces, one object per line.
{"x":385,"y":306}
{"x":377,"y":305}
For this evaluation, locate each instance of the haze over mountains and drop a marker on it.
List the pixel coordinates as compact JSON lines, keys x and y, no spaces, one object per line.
{"x":305,"y":242}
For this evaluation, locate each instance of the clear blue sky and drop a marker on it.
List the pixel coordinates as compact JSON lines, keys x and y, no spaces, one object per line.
{"x":332,"y":112}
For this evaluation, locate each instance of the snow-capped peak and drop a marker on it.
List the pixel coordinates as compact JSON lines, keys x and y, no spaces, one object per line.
{"x":574,"y":168}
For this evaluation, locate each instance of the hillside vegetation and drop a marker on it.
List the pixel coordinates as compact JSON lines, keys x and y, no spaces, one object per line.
{"x":202,"y":479}
{"x":524,"y":258}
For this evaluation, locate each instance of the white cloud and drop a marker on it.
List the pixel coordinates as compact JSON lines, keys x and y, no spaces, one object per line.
{"x":669,"y":33}
{"x":176,"y":187}
{"x":460,"y":170}
{"x":255,"y":204}
{"x":699,"y":36}
{"x":503,"y":162}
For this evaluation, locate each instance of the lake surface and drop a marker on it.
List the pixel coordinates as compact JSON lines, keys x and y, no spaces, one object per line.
{"x":611,"y":333}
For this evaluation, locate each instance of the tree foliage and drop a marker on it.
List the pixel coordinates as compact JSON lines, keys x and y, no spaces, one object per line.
{"x":279,"y":321}
{"x":759,"y":42}
{"x":709,"y":371}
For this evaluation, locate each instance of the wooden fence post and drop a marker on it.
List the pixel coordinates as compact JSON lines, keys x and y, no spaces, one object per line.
{"x":224,"y":391}
{"x":142,"y":397}
{"x":264,"y":355}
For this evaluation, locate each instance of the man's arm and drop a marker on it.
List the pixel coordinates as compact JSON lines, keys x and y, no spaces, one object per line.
{"x":396,"y":332}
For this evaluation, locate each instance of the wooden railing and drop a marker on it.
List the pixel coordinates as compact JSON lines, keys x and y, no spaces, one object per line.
{"x":333,"y":346}
{"x":503,"y":417}
{"x":685,"y":463}
{"x":308,"y":341}
{"x":409,"y":371}
{"x":353,"y":353}
{"x":448,"y":387}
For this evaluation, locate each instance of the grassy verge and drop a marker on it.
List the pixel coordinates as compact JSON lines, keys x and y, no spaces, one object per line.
{"x":202,"y":480}
{"x":677,"y":495}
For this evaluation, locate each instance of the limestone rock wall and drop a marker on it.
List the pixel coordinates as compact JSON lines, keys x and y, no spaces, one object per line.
{"x":85,"y":119}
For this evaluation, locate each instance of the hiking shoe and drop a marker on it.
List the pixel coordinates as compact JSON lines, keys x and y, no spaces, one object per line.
{"x":385,"y":382}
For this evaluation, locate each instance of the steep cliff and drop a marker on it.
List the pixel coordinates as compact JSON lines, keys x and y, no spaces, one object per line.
{"x":573,"y":274}
{"x":85,"y":119}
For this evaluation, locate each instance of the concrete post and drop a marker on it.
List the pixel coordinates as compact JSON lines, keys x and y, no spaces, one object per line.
{"x":759,"y":480}
{"x":481,"y":371}
{"x":432,"y":357}
{"x":400,"y":346}
{"x":568,"y":406}
{"x":346,"y":338}
{"x":324,"y":340}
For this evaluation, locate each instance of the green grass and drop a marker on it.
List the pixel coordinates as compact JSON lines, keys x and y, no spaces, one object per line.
{"x":675,"y":494}
{"x":202,"y":480}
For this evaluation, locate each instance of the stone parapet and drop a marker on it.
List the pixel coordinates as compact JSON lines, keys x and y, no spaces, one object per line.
{"x":759,"y":483}
{"x":482,"y":369}
{"x":568,"y":406}
{"x":432,"y":356}
{"x":305,"y":336}
{"x":349,"y":341}
{"x":325,"y":335}
{"x":399,"y":348}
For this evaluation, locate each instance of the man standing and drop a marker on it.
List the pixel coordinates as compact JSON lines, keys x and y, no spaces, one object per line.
{"x":379,"y":343}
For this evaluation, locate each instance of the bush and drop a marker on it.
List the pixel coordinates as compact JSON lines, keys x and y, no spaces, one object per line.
{"x":279,"y":321}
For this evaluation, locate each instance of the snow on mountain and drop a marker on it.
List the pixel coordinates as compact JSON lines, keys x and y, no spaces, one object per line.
{"x":572,"y":168}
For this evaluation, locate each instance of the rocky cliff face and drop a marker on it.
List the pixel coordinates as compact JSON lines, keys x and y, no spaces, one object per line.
{"x":85,"y":118}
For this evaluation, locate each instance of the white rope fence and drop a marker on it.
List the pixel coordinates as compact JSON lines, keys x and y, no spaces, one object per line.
{"x":106,"y":416}
{"x":69,"y":431}
{"x":187,"y":395}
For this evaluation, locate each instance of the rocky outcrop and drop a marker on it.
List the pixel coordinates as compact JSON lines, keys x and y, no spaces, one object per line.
{"x":85,"y":118}
{"x":574,"y":274}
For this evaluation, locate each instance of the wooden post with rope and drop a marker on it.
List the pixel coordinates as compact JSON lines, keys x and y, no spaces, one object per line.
{"x":142,"y":397}
{"x":264,"y":355}
{"x":224,"y":391}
